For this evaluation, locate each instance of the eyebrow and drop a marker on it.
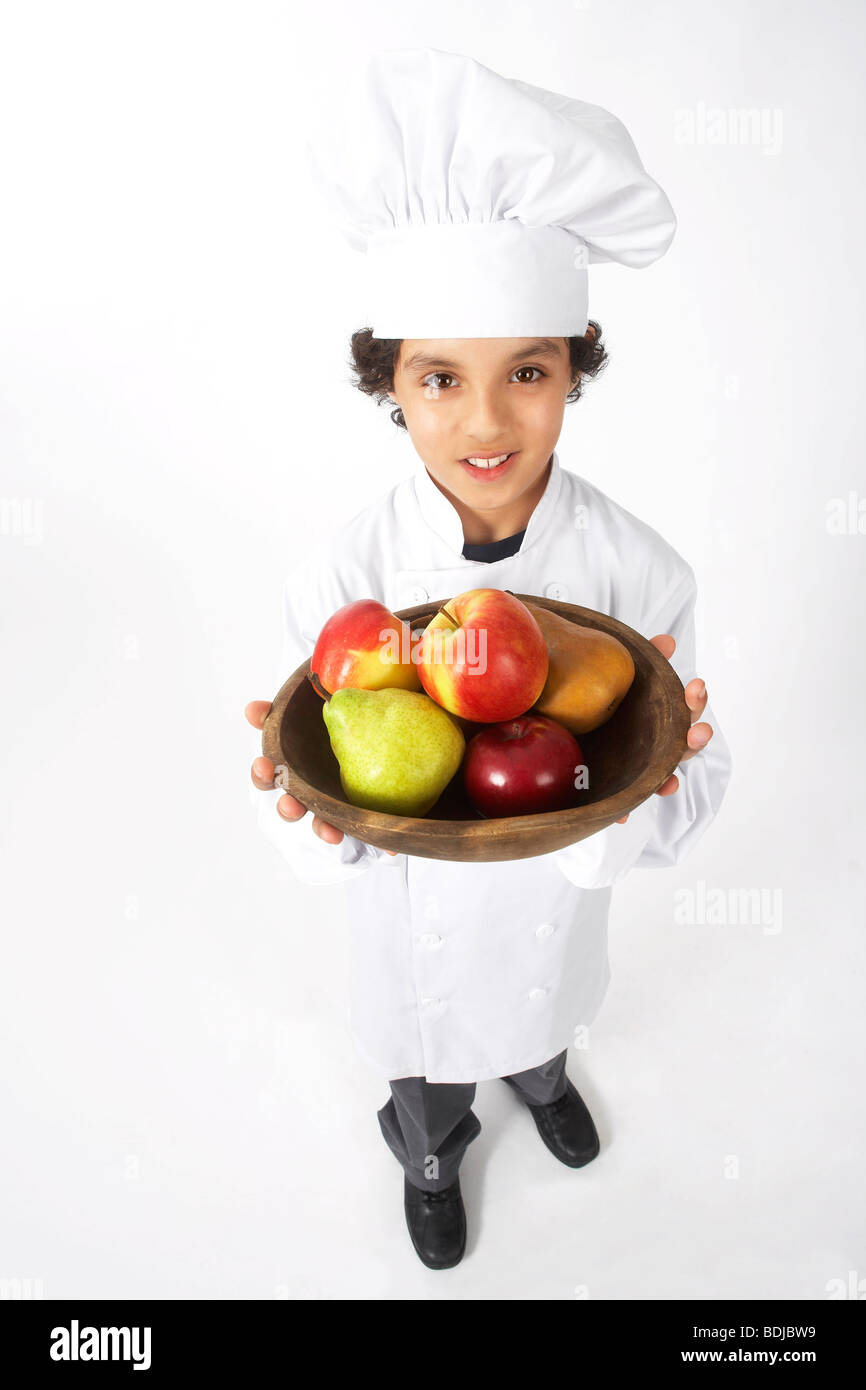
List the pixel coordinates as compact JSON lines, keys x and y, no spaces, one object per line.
{"x":541,"y":347}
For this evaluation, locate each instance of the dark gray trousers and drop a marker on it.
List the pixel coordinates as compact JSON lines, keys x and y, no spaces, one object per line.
{"x":428,"y":1125}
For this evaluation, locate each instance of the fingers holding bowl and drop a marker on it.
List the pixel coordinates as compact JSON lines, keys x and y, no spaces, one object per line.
{"x":291,"y":809}
{"x":257,"y":711}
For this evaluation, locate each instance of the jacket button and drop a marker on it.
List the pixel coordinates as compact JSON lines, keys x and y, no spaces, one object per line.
{"x":559,"y":591}
{"x":431,"y":1003}
{"x":546,"y":929}
{"x":431,"y":939}
{"x":415,"y":594}
{"x":537,"y":993}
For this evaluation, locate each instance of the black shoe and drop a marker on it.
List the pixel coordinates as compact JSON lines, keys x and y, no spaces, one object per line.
{"x":437,"y":1223}
{"x":567,"y":1129}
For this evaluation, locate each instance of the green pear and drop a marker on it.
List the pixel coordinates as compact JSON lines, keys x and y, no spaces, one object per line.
{"x":397,"y":749}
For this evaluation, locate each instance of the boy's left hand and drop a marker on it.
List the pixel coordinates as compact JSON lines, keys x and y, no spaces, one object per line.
{"x":699,"y":735}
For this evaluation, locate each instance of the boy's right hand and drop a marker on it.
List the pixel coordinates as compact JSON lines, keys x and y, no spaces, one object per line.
{"x":289,"y":807}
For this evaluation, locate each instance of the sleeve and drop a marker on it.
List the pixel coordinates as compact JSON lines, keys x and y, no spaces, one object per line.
{"x":663,"y":829}
{"x":310,"y":858}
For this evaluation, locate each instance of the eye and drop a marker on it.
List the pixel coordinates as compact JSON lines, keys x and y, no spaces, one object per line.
{"x":436,"y":377}
{"x":529,"y":369}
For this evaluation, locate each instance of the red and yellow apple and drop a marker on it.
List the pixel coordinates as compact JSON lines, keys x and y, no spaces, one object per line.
{"x":483,"y":656}
{"x":365,"y":646}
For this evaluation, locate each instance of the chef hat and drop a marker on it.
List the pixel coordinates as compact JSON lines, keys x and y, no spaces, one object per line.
{"x":479,"y":200}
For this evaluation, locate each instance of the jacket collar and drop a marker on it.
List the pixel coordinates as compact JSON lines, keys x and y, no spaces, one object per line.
{"x":443,"y":518}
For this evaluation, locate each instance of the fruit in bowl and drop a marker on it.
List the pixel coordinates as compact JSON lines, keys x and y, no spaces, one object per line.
{"x":589,"y":672}
{"x":522,"y":767}
{"x":629,"y":755}
{"x":483,"y":656}
{"x":366,"y":646}
{"x":397,"y":749}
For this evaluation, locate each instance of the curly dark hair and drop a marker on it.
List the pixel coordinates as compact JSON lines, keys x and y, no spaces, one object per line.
{"x":372,"y":362}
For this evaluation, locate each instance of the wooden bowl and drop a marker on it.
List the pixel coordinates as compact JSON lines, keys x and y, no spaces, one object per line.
{"x":628,"y":758}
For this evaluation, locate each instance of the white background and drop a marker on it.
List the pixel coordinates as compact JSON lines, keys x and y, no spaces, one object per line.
{"x":184,"y":1112}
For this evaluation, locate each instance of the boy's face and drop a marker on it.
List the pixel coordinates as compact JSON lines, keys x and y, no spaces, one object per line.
{"x":464,"y":397}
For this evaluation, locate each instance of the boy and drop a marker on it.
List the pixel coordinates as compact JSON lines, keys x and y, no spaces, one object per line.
{"x":461,"y":971}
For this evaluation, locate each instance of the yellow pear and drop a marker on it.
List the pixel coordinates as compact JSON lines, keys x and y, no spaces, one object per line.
{"x":589,"y":672}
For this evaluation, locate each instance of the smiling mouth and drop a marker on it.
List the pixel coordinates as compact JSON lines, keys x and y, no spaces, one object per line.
{"x":485,"y":464}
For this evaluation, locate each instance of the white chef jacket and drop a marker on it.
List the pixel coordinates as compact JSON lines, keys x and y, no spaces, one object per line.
{"x":468,"y":971}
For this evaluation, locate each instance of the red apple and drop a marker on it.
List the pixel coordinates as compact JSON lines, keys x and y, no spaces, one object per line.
{"x":364,"y":645}
{"x":522,"y":766}
{"x":483,"y":656}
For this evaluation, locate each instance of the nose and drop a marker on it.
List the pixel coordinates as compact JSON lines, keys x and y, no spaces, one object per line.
{"x":485,"y":422}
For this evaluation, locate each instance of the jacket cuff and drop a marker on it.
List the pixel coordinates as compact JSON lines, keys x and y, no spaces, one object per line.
{"x":311,"y":859}
{"x":608,"y":855}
